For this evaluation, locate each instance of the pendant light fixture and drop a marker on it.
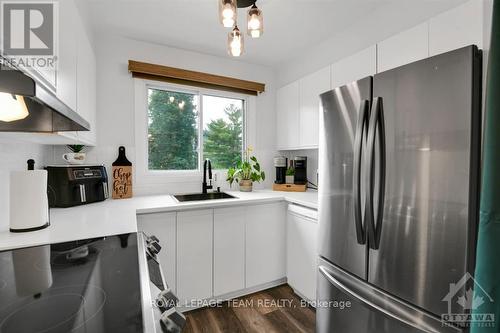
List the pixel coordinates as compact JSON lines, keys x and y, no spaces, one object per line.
{"x":227,"y":13}
{"x":235,"y":42}
{"x":255,"y":22}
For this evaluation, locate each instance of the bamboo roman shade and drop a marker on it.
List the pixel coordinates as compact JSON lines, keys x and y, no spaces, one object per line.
{"x":147,"y":71}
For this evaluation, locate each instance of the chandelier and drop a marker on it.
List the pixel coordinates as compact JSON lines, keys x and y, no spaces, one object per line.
{"x":228,"y":15}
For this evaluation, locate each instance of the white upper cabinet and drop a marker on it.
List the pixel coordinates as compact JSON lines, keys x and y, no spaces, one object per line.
{"x":66,"y":72}
{"x":404,"y":48}
{"x":86,"y":85}
{"x":456,"y":28}
{"x":310,"y":87}
{"x":355,"y":67}
{"x":287,"y":121}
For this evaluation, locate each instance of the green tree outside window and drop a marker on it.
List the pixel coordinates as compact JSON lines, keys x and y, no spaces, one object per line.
{"x":173,"y":131}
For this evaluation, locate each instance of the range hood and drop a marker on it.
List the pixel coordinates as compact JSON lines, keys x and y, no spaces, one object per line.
{"x":40,"y":109}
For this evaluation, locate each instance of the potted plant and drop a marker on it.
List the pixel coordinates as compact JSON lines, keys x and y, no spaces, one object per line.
{"x":290,"y":173}
{"x":76,"y":155}
{"x":246,"y":172}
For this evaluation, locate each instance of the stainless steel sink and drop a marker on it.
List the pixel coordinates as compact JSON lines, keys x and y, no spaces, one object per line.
{"x":203,"y":196}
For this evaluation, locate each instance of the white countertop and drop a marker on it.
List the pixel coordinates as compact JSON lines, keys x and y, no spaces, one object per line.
{"x":114,"y":217}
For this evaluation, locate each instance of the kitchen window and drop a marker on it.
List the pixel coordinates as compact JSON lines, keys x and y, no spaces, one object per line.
{"x":186,"y":127}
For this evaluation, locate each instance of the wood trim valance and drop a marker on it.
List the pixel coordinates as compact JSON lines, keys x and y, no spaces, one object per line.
{"x":147,"y":71}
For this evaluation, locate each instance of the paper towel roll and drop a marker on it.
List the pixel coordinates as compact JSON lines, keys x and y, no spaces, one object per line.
{"x":29,"y":206}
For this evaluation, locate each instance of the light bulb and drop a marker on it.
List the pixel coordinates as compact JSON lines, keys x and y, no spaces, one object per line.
{"x":12,"y":107}
{"x":235,"y":42}
{"x":255,"y":33}
{"x":235,"y":52}
{"x":227,"y":12}
{"x":228,"y":22}
{"x":255,"y":22}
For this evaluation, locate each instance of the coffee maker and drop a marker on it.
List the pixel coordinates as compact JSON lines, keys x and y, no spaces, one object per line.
{"x":300,"y":163}
{"x":280,"y":163}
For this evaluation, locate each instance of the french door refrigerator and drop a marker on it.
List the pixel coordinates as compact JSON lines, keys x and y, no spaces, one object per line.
{"x":399,"y":161}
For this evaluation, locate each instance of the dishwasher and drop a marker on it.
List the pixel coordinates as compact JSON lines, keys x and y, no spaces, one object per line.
{"x":302,"y":254}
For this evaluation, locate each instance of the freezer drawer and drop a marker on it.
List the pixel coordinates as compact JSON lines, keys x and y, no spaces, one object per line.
{"x":362,"y":308}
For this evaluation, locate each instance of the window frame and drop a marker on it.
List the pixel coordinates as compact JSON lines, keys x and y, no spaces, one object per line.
{"x":143,"y":172}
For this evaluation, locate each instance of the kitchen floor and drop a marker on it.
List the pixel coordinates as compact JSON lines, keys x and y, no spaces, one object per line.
{"x":272,"y":310}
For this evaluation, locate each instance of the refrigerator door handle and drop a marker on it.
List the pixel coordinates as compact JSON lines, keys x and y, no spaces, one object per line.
{"x":361,"y":128}
{"x":376,"y":126}
{"x":384,"y":303}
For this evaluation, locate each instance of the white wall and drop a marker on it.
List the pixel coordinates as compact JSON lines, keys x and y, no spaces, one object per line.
{"x":115,"y":101}
{"x":13,"y":156}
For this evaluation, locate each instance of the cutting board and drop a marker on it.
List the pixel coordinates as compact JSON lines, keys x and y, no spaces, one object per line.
{"x":290,"y":187}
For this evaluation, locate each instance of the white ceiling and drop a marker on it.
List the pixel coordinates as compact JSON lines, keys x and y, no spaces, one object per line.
{"x":290,"y":26}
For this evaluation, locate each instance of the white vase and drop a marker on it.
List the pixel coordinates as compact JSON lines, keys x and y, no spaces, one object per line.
{"x":289,"y":179}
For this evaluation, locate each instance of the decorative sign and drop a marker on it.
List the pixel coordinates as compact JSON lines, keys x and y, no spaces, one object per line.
{"x":122,"y":176}
{"x":122,"y":182}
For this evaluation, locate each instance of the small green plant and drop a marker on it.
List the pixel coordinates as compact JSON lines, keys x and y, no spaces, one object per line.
{"x":76,"y":148}
{"x":246,"y":169}
{"x":290,"y":172}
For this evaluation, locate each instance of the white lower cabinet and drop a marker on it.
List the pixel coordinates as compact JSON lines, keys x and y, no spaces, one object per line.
{"x":229,"y":250}
{"x":194,"y":255}
{"x":265,"y":244}
{"x":163,"y":227}
{"x":302,"y":253}
{"x":211,"y":253}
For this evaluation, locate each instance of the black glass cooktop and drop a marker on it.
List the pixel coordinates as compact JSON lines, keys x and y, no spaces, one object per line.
{"x":83,"y":286}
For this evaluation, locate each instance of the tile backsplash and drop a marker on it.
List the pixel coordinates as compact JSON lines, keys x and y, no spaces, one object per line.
{"x":13,"y":156}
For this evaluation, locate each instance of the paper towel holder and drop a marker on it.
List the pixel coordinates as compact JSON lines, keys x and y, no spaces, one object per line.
{"x":28,"y":186}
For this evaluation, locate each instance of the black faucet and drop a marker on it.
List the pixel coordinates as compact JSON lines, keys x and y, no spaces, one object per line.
{"x":206,"y":187}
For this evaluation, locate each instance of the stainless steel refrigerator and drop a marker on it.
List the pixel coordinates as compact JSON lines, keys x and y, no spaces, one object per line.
{"x":399,"y":164}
